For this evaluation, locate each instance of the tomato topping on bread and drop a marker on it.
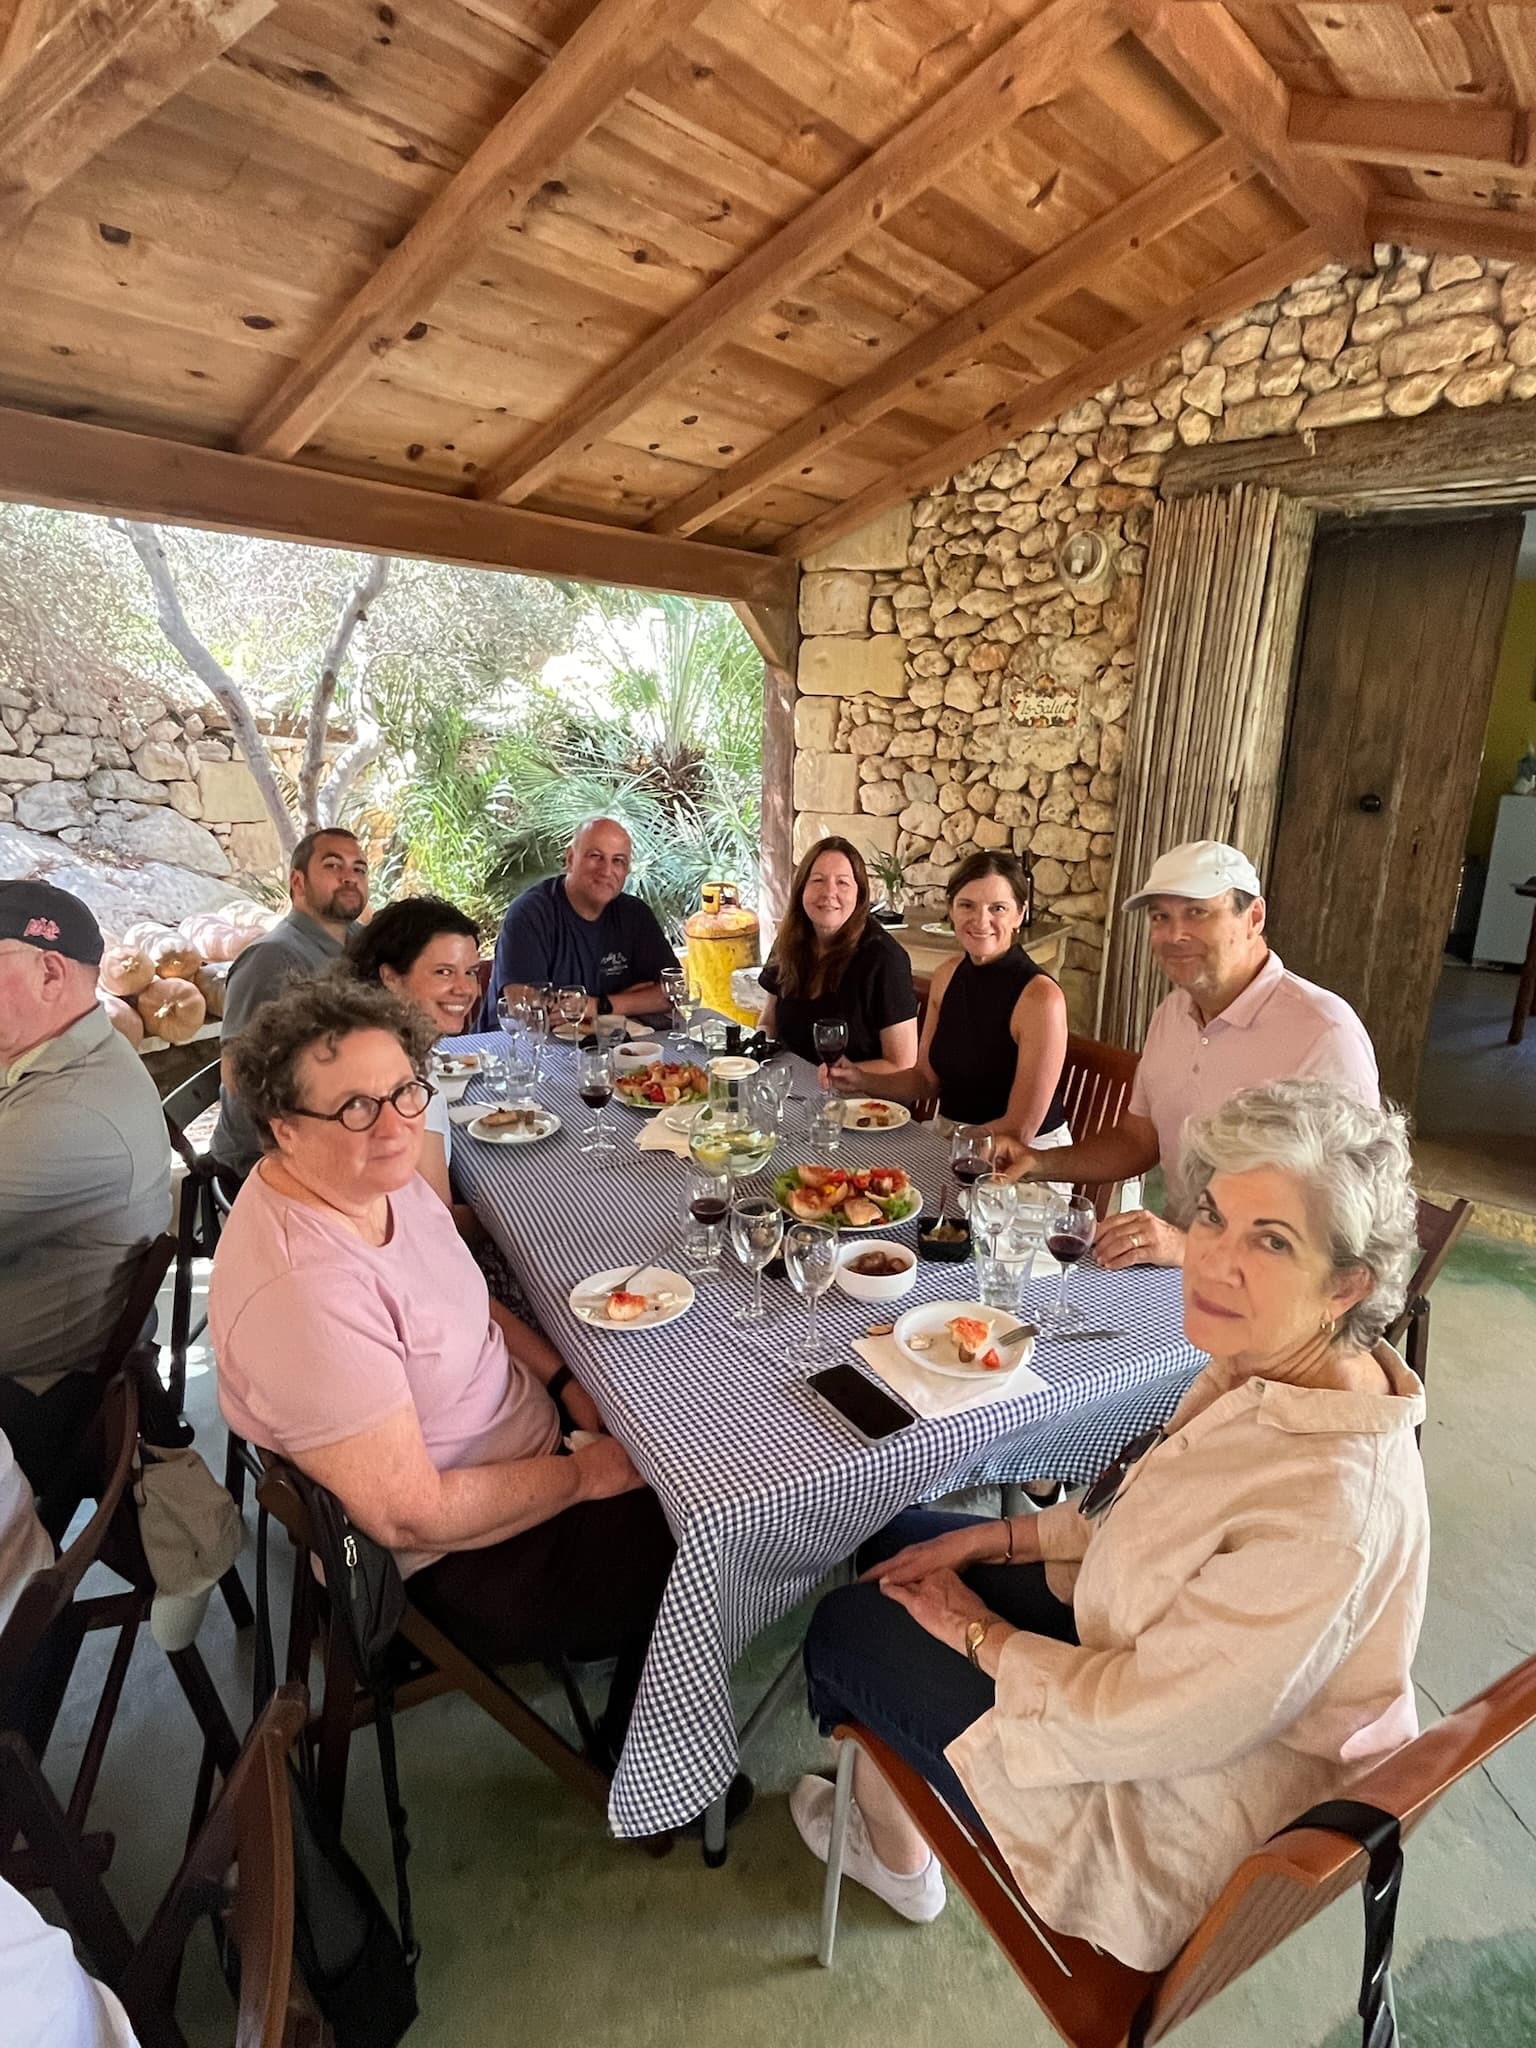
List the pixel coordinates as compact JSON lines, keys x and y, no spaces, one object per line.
{"x":971,"y":1337}
{"x":626,"y":1308}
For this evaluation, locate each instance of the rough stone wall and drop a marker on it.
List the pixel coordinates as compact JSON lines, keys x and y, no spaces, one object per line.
{"x":119,"y":774}
{"x":955,"y":692}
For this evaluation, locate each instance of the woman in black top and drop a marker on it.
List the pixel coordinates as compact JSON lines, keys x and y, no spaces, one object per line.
{"x":832,"y":959}
{"x":995,"y":1034}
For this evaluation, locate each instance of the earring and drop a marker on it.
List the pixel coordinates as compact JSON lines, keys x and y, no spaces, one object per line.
{"x":1327,"y":1326}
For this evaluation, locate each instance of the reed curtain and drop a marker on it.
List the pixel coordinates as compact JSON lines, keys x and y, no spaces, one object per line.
{"x":1220,"y":622}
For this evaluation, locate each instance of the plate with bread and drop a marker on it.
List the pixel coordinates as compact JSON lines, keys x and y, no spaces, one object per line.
{"x":844,"y":1198}
{"x":957,"y":1339}
{"x":515,"y":1123}
{"x":627,"y":1298}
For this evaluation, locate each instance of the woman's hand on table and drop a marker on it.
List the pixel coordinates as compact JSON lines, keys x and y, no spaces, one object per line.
{"x":943,"y":1604}
{"x":605,"y":1469}
{"x":973,"y":1543}
{"x":1137,"y":1238}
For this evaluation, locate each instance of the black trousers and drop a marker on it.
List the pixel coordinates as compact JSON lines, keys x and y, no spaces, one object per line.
{"x":45,"y":1430}
{"x":586,"y":1584}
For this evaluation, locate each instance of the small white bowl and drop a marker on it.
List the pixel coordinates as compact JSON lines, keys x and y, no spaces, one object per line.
{"x":876,"y":1286}
{"x":638,"y":1053}
{"x":451,"y":1073}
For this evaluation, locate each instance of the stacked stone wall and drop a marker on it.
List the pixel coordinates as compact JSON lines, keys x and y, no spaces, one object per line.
{"x":964,"y":682}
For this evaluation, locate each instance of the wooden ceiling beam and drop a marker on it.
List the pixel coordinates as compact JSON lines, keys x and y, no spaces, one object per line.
{"x":83,"y":468}
{"x":1408,"y":134}
{"x":1038,"y":62}
{"x":92,"y":76}
{"x":1212,"y":57}
{"x":1170,"y":200}
{"x":1455,"y":230}
{"x":588,"y":76}
{"x":1040,"y":404}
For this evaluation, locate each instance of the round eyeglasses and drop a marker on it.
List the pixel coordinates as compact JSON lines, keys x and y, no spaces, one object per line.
{"x":362,"y":1112}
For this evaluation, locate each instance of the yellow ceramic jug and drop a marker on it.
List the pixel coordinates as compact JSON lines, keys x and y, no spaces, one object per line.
{"x":722,"y":936}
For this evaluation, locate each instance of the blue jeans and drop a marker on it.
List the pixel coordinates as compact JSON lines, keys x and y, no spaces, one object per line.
{"x":867,"y":1660}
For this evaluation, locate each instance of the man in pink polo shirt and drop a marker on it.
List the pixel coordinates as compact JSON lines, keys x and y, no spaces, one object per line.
{"x":1237,"y":1017}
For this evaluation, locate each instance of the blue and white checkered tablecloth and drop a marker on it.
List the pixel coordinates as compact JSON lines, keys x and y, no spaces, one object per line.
{"x":765,"y":1493}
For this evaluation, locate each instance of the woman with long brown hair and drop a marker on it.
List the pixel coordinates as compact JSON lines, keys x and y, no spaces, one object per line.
{"x":832,"y":959}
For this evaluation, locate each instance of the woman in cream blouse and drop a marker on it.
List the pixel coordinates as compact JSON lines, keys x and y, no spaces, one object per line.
{"x":1129,"y":1702}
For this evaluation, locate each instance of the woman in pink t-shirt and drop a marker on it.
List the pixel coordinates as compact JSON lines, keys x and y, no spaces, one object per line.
{"x":355,"y":1335}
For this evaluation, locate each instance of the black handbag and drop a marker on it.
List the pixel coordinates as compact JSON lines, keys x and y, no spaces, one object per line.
{"x":360,"y":1972}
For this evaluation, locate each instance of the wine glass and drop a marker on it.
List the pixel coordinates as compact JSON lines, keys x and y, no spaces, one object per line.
{"x":971,"y":1149}
{"x":571,"y":1004}
{"x":829,"y":1035}
{"x":810,"y":1259}
{"x":993,"y":1200}
{"x":757,"y":1231}
{"x":776,"y":1083}
{"x":706,"y":1205}
{"x":537,"y":999}
{"x":594,"y":1082}
{"x":1069,"y":1234}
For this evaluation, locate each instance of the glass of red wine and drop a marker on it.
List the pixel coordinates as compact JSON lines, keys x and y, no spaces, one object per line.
{"x":706,"y":1206}
{"x":594,"y":1083}
{"x":829,"y":1035}
{"x":1068,"y":1237}
{"x":971,"y":1147}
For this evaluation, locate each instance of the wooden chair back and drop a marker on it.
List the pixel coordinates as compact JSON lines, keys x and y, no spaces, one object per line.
{"x":250,"y":1826}
{"x":1096,"y":1083}
{"x":440,"y":1665}
{"x":1439,"y":1230}
{"x":1094,"y":2001}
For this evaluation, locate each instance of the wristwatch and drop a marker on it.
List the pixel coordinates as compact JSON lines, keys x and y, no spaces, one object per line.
{"x":976,"y":1633}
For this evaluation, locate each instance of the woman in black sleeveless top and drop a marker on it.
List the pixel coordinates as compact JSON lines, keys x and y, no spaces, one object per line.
{"x":995,"y":1034}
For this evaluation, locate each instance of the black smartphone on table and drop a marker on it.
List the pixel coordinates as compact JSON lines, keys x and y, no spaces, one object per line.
{"x":869,"y":1411}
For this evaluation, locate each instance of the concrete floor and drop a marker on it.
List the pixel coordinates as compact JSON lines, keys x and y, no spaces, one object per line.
{"x":1475,"y":1119}
{"x":537,"y":1928}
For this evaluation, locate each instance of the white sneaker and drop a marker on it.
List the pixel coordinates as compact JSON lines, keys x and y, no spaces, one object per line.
{"x":920,"y":1896}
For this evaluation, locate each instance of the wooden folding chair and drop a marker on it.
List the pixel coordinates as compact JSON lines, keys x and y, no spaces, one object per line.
{"x":436,"y":1665}
{"x":251,"y":1828}
{"x":1439,"y":1232}
{"x":1096,"y":1083}
{"x":1092,"y":2000}
{"x":39,"y":1646}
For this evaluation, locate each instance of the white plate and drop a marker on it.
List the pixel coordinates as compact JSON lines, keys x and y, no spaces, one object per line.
{"x":677,"y":1116}
{"x":588,"y":1297}
{"x":689,"y":1102}
{"x":940,"y":931}
{"x":899,"y":1114}
{"x":929,"y":1318}
{"x":549,"y":1123}
{"x":451,"y":1065}
{"x":571,"y":1034}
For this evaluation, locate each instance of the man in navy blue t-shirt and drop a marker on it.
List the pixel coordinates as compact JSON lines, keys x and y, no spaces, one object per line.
{"x":579,"y":930}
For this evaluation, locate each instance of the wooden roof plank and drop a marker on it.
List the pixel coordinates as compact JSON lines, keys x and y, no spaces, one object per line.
{"x":1412,"y":134}
{"x":1200,"y":45}
{"x":1460,"y":230}
{"x":594,"y":69}
{"x":94,"y":75}
{"x":1214,"y":302}
{"x":1166,"y":202}
{"x":1035,"y":64}
{"x":82,"y":468}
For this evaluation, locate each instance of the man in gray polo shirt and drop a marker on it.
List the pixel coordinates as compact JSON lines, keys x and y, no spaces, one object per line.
{"x":85,"y":1171}
{"x":328,"y":887}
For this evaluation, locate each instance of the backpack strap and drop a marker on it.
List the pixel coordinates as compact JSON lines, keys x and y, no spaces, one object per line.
{"x":1380,"y":1835}
{"x":394,"y":1806}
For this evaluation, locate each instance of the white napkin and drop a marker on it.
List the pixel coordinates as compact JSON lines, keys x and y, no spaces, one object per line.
{"x":932,"y":1393}
{"x":657,"y":1135}
{"x":466,"y":1112}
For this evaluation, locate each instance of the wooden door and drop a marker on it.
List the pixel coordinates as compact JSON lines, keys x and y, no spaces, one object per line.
{"x":1396,"y":672}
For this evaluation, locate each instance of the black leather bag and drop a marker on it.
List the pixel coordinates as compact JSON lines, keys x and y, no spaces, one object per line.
{"x":360,"y":1972}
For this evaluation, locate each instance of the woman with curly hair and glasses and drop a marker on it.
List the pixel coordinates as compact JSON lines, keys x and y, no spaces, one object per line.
{"x":1131,"y":1691}
{"x":355,"y":1335}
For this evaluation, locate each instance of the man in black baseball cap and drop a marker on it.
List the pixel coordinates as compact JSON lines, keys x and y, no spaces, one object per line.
{"x":84,"y":1172}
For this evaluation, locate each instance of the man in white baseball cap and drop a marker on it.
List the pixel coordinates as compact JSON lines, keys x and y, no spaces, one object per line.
{"x":1236,"y":1017}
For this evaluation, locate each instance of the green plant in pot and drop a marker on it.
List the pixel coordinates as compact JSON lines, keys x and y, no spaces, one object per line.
{"x":889,"y":872}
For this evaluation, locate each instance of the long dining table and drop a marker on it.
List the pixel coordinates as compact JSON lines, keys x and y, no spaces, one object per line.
{"x":765,"y":1492}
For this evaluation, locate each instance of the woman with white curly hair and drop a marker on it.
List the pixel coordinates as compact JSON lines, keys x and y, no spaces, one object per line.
{"x":1132,"y":1690}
